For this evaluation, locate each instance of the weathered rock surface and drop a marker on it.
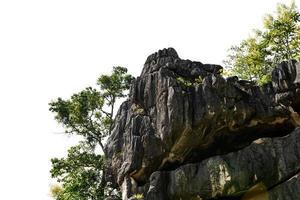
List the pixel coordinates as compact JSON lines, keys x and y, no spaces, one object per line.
{"x":266,"y":163}
{"x":286,"y":190}
{"x":180,"y":112}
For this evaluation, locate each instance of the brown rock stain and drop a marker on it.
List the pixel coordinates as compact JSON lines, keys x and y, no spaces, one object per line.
{"x":257,"y":192}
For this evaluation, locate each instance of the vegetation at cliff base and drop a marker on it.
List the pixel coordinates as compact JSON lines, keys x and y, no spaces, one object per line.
{"x":89,"y":114}
{"x":279,"y":40}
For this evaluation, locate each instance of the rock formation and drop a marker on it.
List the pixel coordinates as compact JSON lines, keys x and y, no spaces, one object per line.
{"x":186,"y":132}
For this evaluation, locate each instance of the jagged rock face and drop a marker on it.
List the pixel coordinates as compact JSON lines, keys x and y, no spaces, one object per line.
{"x":181,"y":112}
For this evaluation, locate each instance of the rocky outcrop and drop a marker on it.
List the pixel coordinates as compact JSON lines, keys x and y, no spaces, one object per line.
{"x":186,"y":132}
{"x":266,"y":163}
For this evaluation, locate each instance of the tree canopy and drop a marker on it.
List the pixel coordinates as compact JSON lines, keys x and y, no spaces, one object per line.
{"x":89,"y":114}
{"x":279,"y":40}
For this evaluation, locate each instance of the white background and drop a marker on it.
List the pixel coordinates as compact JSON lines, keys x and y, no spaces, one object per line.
{"x":54,"y":48}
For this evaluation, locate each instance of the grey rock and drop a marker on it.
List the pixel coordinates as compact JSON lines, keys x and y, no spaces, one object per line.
{"x":266,"y":162}
{"x":181,"y":111}
{"x":288,"y":190}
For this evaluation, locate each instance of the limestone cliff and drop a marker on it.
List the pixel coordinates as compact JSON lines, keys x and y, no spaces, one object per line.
{"x":186,"y":132}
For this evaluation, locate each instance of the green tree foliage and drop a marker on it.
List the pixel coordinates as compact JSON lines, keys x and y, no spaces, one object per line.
{"x":249,"y":60}
{"x":82,"y":115}
{"x":114,"y":87}
{"x":80,"y":174}
{"x":89,"y":114}
{"x":254,"y":58}
{"x":283,"y":33}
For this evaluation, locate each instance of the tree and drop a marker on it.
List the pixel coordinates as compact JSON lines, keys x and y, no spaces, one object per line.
{"x":83,"y":115}
{"x":254,"y":58}
{"x":80,"y":174}
{"x":114,"y":87}
{"x":249,"y":60}
{"x":89,"y":114}
{"x":283,"y":33}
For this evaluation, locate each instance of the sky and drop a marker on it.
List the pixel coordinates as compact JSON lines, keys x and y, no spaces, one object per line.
{"x":54,"y":48}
